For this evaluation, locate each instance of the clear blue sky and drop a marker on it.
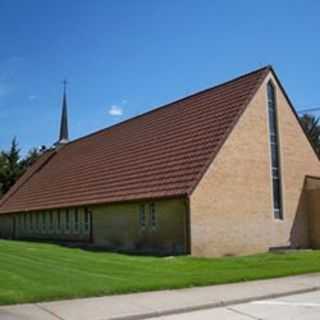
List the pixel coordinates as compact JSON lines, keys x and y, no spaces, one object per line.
{"x":131,"y":56}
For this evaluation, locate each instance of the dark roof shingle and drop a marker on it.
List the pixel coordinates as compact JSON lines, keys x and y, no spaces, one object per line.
{"x":162,"y":153}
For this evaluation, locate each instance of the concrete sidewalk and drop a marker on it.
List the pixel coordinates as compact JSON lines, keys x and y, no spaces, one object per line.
{"x":151,"y":304}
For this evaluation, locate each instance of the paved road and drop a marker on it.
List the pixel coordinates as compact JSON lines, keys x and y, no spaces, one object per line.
{"x":298,"y":307}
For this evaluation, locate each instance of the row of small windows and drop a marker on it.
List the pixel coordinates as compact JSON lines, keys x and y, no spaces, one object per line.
{"x":147,"y":216}
{"x":55,"y":221}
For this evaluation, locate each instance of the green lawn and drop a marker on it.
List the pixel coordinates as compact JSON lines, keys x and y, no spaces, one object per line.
{"x":36,"y":272}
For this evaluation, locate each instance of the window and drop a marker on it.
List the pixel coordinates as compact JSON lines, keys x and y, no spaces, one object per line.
{"x":31,"y":221}
{"x":142,"y":216}
{"x":76,"y":220}
{"x":153,"y":218}
{"x":51,"y":220}
{"x":275,"y":157}
{"x":43,"y":214}
{"x":67,"y":220}
{"x":37,"y":222}
{"x":86,"y":220}
{"x":21,"y":221}
{"x":25,"y":222}
{"x":58,"y":220}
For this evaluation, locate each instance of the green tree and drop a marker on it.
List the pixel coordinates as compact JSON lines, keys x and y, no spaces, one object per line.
{"x":2,"y":172}
{"x":12,"y":166}
{"x":31,"y":157}
{"x":311,"y":125}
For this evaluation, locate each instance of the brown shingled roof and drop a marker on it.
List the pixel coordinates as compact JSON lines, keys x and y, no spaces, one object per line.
{"x":162,"y":153}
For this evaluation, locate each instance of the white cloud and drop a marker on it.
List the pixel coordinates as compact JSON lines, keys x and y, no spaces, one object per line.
{"x":115,"y":111}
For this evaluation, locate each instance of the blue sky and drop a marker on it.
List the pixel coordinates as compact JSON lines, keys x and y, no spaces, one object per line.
{"x":123,"y":58}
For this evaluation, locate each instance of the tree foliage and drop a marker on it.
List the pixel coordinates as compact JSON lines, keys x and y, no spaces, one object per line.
{"x":12,"y":165}
{"x":311,"y":124}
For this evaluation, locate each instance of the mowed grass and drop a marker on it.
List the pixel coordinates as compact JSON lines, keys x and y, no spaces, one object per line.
{"x":33,"y":272}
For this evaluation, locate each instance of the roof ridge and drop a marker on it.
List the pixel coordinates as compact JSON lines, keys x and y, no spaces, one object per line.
{"x":71,"y":188}
{"x":216,"y":150}
{"x":267,"y":67}
{"x":293,"y":109}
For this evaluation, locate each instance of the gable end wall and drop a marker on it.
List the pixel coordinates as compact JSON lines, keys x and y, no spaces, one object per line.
{"x":231,"y":208}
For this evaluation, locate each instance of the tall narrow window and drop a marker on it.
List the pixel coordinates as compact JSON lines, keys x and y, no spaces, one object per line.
{"x":76,"y":220}
{"x":51,"y":220}
{"x":142,"y":216}
{"x":31,"y":221}
{"x":21,"y":221}
{"x":67,"y":220}
{"x":275,"y":158}
{"x":153,"y":217}
{"x":38,"y":221}
{"x":58,"y":220}
{"x":86,"y":220}
{"x":43,"y":222}
{"x":25,"y":222}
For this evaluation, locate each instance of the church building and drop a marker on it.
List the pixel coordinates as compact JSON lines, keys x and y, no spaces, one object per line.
{"x":225,"y":171}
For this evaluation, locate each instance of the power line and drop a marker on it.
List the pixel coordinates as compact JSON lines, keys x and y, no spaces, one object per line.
{"x":308,"y":110}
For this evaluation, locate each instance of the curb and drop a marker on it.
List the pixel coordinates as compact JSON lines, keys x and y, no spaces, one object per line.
{"x":155,"y":314}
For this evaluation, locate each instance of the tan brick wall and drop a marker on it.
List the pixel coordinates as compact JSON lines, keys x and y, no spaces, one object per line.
{"x":231,"y":208}
{"x":117,"y":226}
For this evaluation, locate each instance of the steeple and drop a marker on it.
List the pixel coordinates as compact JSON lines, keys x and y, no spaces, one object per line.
{"x":64,"y":133}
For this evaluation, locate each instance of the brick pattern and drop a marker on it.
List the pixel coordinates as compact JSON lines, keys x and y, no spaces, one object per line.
{"x":117,"y":226}
{"x":231,"y":209}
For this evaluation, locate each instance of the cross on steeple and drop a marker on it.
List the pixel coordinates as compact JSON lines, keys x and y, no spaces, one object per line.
{"x":64,"y":132}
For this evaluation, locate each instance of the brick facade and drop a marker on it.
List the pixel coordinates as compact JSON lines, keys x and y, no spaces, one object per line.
{"x":117,"y":226}
{"x":231,"y":208}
